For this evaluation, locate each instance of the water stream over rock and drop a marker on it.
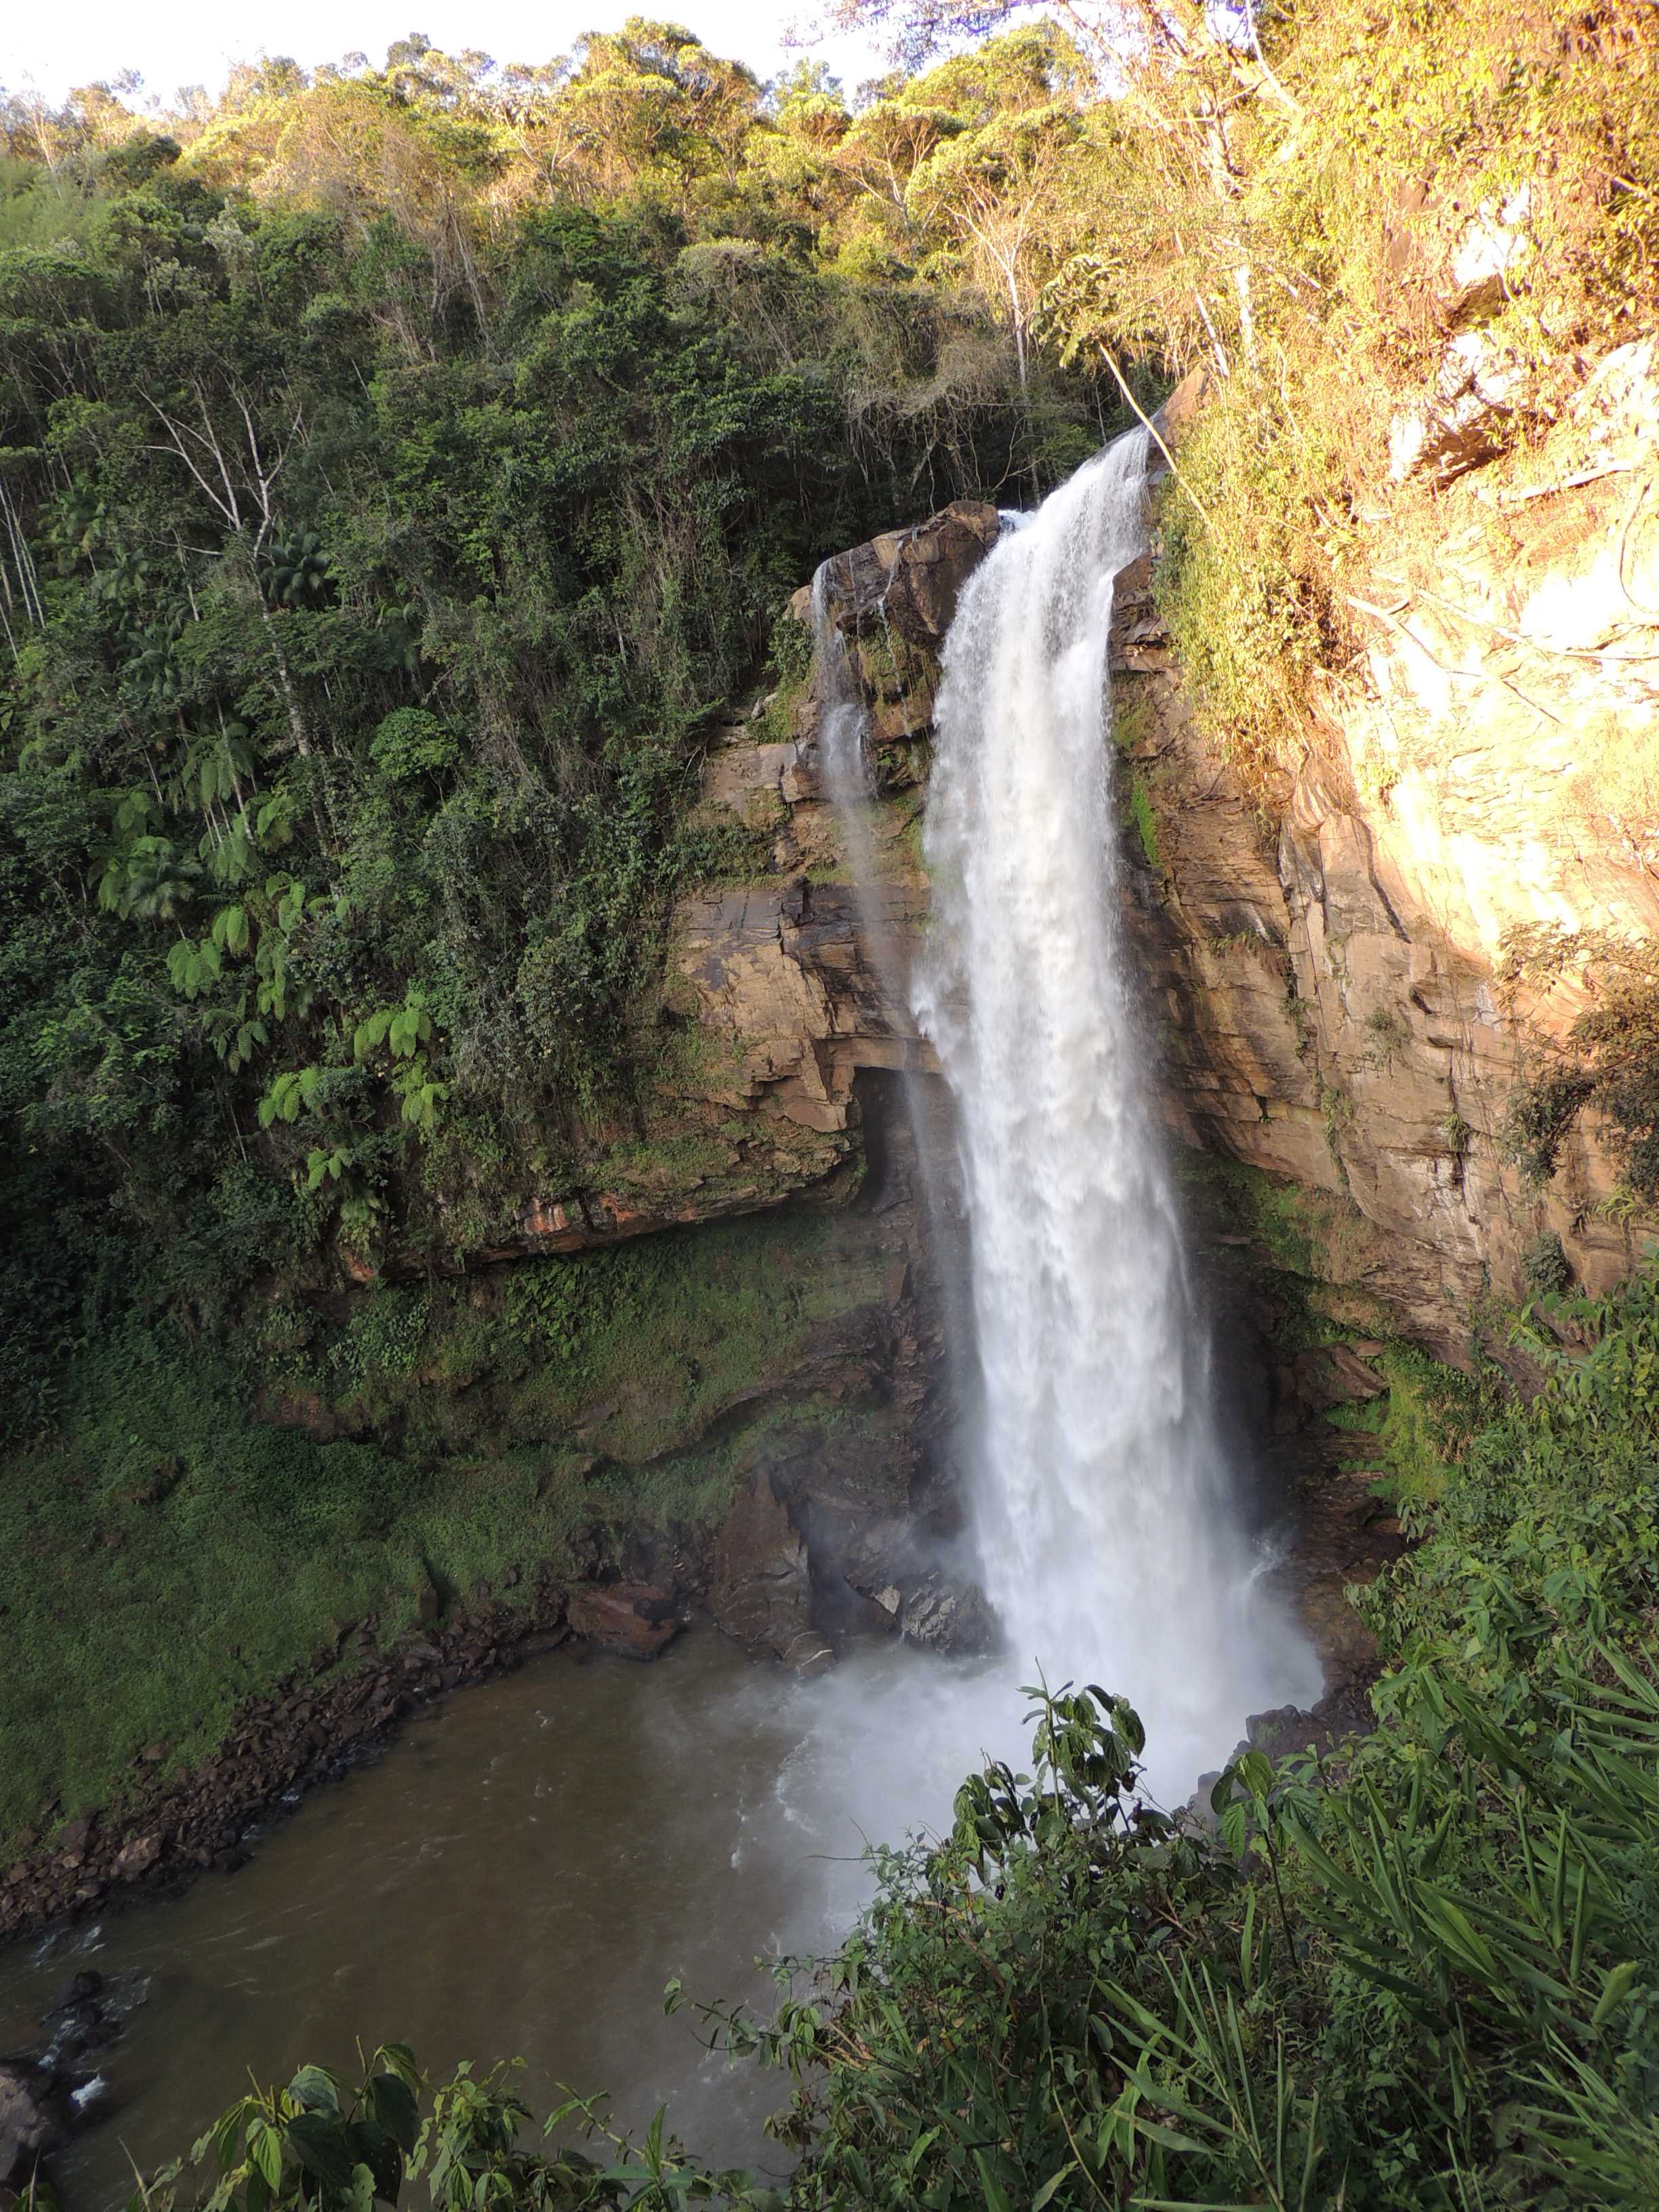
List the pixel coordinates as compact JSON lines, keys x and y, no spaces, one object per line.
{"x":1110,"y":1542}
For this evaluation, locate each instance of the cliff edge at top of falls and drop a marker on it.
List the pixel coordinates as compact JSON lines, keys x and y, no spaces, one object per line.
{"x":1336,"y":993}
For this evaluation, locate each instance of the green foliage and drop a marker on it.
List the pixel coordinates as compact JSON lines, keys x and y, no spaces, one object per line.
{"x":1142,"y":819}
{"x":1388,"y":1032}
{"x":165,"y":1553}
{"x":212,"y":1551}
{"x":1537,"y":1118}
{"x":372,"y":573}
{"x":1608,"y":1062}
{"x":1421,"y":1972}
{"x":411,"y":743}
{"x":1545,"y":1266}
{"x":1429,"y":1418}
{"x":1245,"y":583}
{"x":384,"y":1336}
{"x":330,"y":2145}
{"x":665,"y":1330}
{"x":1543,"y":1541}
{"x":1336,"y":1111}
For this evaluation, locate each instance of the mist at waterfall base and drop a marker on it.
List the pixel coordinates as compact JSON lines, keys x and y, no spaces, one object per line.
{"x":1105,"y":1518}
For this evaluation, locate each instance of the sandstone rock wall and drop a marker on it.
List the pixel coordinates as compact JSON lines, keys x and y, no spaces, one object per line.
{"x":801,"y":975}
{"x":782,"y":987}
{"x":1333,"y":991}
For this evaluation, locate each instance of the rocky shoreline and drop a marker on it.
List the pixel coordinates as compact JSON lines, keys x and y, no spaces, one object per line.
{"x":320,"y":1722}
{"x":308,"y":1730}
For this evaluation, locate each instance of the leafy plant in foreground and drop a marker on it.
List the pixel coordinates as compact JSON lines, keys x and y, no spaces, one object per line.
{"x":328,"y":2145}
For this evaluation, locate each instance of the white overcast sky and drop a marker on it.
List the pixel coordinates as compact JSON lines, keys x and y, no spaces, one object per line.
{"x":48,"y":47}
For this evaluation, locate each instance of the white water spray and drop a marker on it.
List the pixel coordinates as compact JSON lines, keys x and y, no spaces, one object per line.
{"x":1110,"y":1546}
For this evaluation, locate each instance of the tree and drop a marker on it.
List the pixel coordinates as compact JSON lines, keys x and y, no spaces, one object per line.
{"x":987,"y":181}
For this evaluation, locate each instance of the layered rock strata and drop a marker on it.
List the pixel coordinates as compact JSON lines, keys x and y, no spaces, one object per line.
{"x":781,"y":989}
{"x":1341,"y":992}
{"x":1343,"y":995}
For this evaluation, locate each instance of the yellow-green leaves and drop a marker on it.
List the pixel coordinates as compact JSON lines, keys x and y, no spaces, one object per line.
{"x":422,"y":1102}
{"x":288,"y":1095}
{"x":230,"y":928}
{"x":193,"y":967}
{"x":402,"y":1030}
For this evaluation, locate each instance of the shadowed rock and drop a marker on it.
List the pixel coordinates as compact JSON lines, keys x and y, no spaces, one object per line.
{"x":761,"y":1591}
{"x":637,"y":1620}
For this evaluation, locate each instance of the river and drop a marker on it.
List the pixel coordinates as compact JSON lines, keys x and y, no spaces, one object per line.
{"x":518,"y":1875}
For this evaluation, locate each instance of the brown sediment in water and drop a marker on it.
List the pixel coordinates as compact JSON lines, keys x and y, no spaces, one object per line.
{"x":314,"y":1725}
{"x":519,"y":1873}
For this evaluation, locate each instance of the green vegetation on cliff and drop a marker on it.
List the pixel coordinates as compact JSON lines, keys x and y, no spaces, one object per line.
{"x":401,"y":471}
{"x":169,"y":1549}
{"x":401,"y":466}
{"x":398,"y":468}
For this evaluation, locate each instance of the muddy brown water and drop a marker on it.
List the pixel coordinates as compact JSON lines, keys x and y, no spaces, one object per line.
{"x":517,"y":1876}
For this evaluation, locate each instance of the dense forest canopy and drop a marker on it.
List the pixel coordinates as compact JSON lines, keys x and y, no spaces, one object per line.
{"x":397,"y":475}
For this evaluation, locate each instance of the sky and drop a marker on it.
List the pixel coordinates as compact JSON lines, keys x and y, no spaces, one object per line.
{"x":171,"y":43}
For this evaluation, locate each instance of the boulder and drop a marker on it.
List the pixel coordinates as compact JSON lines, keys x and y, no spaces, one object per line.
{"x":29,"y":2127}
{"x":638,"y":1619}
{"x":1360,"y":1380}
{"x":762,"y":1590}
{"x":1179,"y":411}
{"x":1464,"y":421}
{"x":891,"y":1570}
{"x":947,"y":1614}
{"x":138,"y":1857}
{"x":79,"y":1990}
{"x":881,"y":1559}
{"x":909,"y":580}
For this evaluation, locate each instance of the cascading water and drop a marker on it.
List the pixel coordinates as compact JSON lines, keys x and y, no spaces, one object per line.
{"x":845,"y":773}
{"x":1109,"y":1542}
{"x":842,"y":761}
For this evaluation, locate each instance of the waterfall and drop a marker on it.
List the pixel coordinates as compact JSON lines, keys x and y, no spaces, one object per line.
{"x":1109,"y":1541}
{"x":842,"y":761}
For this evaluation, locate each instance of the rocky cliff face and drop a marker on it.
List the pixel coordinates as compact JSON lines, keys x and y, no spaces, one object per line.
{"x":801,"y":977}
{"x":1338,"y":992}
{"x":1335,"y":991}
{"x":1342,"y":997}
{"x":782,"y":987}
